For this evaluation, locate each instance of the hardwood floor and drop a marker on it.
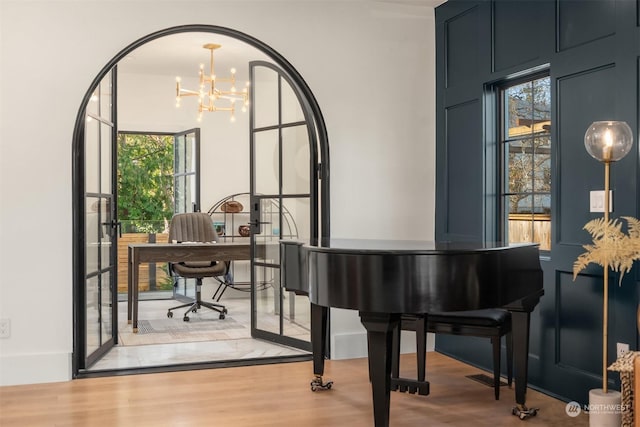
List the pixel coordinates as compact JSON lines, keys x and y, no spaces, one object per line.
{"x":271,"y":395}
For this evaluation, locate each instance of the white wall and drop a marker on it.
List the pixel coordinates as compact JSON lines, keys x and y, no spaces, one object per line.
{"x":370,"y":65}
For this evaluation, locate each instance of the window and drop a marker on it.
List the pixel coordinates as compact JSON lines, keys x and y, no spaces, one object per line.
{"x":525,"y":142}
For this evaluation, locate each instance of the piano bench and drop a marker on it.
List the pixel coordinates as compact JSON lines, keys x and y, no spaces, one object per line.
{"x":489,"y":323}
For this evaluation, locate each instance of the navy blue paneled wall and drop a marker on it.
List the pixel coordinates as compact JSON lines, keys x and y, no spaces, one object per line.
{"x":591,"y":51}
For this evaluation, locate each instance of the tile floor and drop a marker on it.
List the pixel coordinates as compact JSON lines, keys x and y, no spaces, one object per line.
{"x":161,"y":349}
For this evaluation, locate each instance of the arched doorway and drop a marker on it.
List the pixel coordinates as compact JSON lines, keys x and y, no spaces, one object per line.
{"x":95,"y":221}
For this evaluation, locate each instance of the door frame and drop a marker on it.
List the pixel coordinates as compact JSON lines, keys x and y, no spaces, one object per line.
{"x":78,"y":164}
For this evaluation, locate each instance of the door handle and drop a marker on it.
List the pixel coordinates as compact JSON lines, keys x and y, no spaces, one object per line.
{"x":114,"y":225}
{"x":255,"y":225}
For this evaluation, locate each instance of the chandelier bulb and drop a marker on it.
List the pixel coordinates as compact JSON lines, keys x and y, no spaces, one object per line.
{"x":178,"y":79}
{"x":233,"y":71}
{"x":233,"y":88}
{"x":244,"y":109}
{"x":233,"y":119}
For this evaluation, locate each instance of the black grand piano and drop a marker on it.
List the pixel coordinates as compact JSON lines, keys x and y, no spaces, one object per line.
{"x":384,"y":279}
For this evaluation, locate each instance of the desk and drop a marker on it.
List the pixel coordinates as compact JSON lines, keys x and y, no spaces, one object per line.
{"x":174,"y":252}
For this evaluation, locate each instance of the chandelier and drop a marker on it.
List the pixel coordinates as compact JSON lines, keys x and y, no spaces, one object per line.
{"x":209,"y":93}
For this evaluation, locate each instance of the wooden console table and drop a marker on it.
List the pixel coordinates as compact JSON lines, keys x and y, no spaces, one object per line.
{"x":174,"y":252}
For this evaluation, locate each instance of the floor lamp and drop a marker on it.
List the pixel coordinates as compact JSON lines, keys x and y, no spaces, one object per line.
{"x":607,"y":142}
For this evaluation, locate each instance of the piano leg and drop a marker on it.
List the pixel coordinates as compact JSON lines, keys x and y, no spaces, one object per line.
{"x":380,"y":327}
{"x":319,"y":316}
{"x":520,"y":333}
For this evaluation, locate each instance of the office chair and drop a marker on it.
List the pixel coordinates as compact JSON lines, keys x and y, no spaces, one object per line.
{"x":489,"y":323}
{"x":197,"y":227}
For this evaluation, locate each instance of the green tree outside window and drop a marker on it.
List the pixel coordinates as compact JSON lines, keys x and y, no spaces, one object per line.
{"x":145,"y":182}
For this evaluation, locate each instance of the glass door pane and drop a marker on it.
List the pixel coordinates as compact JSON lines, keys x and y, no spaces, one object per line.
{"x":295,"y":160}
{"x":266,"y":146}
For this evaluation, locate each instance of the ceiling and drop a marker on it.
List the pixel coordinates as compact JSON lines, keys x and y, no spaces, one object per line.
{"x":181,"y":54}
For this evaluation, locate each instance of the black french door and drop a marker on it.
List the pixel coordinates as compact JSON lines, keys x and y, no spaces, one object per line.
{"x":283,"y":192}
{"x":96,"y":313}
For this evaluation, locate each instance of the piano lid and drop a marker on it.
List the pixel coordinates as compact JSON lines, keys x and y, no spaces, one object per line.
{"x":411,"y":276}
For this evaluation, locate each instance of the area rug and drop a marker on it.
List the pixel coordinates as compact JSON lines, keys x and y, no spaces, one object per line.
{"x":178,"y":326}
{"x":175,"y":330}
{"x":154,"y":327}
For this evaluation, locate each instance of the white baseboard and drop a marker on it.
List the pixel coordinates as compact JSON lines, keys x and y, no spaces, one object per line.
{"x":35,"y":368}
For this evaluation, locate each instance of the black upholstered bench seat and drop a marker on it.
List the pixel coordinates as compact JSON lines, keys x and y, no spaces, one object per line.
{"x":489,"y":317}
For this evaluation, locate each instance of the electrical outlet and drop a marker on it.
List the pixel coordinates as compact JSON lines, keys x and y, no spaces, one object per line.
{"x":5,"y":328}
{"x":622,"y":348}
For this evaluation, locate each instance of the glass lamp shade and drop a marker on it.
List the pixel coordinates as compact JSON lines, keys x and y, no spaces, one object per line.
{"x":608,"y":141}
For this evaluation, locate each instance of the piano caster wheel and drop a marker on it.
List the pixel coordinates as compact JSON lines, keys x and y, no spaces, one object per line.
{"x":522,"y":412}
{"x":317,"y":384}
{"x":169,"y":314}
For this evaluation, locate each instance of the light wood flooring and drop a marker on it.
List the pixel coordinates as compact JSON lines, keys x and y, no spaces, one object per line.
{"x":271,"y":395}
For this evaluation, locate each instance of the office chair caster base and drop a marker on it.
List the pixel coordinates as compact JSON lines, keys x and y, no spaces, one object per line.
{"x":169,"y":314}
{"x":222,"y":316}
{"x":185,"y":319}
{"x":522,"y":412}
{"x":317,"y":384}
